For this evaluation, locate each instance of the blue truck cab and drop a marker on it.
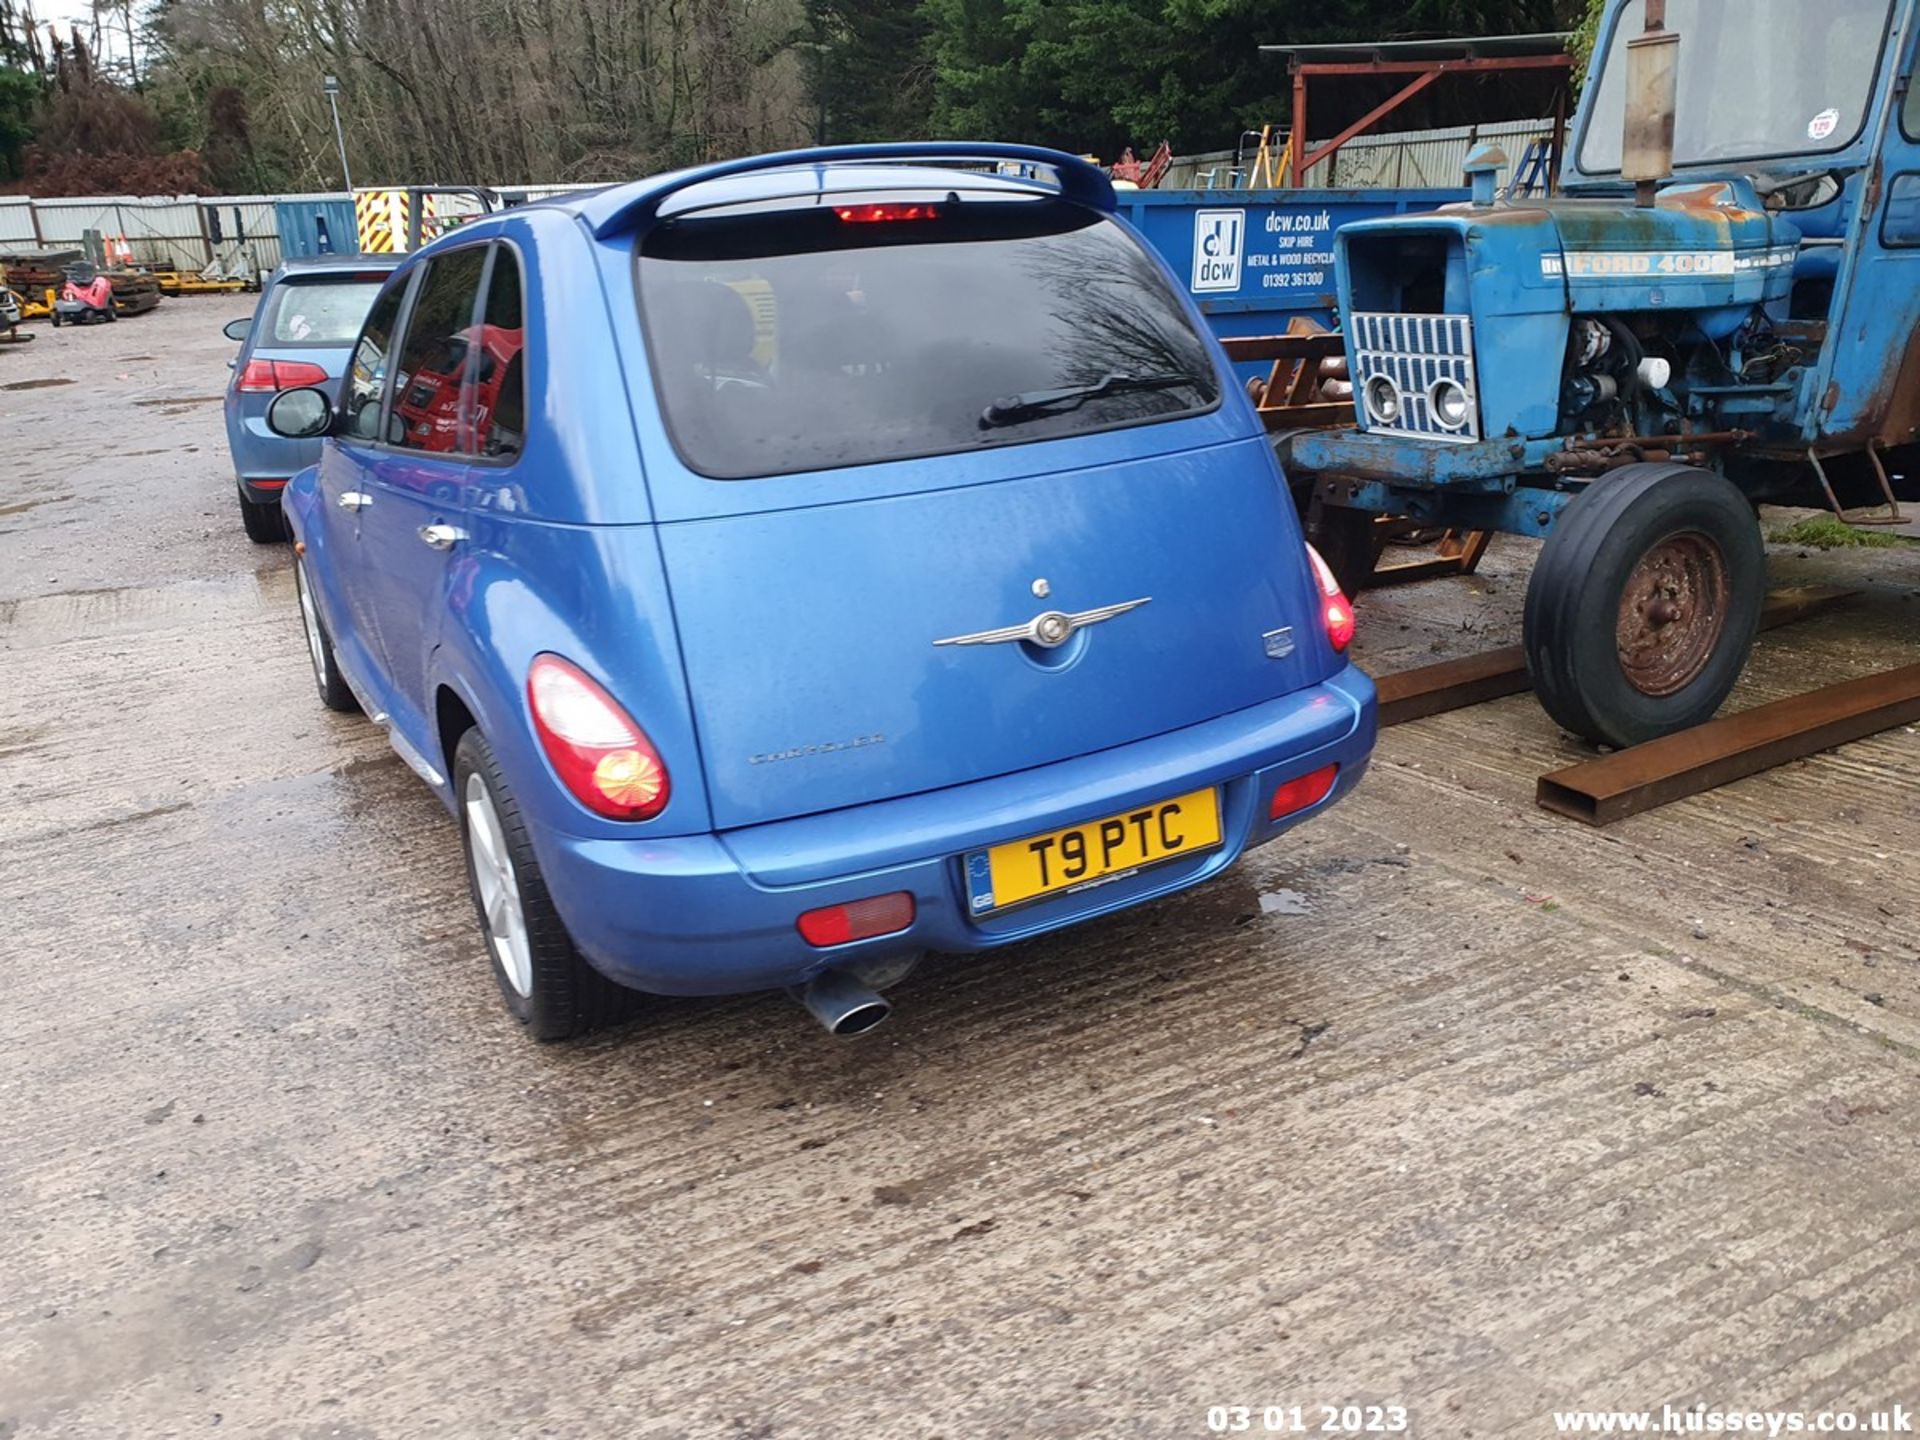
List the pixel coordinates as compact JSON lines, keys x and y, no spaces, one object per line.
{"x":1721,"y":309}
{"x":789,"y":567}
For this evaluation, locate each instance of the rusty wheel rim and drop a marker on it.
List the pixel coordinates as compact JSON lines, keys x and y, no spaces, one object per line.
{"x":1672,"y":613}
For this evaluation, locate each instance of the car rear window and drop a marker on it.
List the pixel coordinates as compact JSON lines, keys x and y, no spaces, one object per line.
{"x":319,"y":312}
{"x":888,"y":327}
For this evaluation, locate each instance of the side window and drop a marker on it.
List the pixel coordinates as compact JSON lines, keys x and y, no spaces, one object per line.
{"x":367,"y":376}
{"x":437,"y":354}
{"x":1900,"y":225}
{"x":500,"y":401}
{"x":1910,"y":109}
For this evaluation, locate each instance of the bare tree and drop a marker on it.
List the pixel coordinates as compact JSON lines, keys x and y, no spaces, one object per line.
{"x":491,"y":91}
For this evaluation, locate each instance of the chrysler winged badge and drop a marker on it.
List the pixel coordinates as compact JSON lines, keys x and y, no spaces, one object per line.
{"x":1050,"y":629}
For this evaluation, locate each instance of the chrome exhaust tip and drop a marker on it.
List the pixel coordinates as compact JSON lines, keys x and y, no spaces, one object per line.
{"x":843,"y":1004}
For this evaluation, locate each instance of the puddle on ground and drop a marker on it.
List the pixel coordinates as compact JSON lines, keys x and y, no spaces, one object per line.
{"x":35,"y":384}
{"x":182,"y":400}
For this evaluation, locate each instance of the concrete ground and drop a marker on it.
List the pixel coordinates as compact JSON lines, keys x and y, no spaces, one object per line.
{"x":1514,"y":1116}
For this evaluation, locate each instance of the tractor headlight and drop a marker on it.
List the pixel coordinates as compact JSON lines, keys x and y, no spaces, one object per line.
{"x":1382,"y":397}
{"x":1450,"y":403}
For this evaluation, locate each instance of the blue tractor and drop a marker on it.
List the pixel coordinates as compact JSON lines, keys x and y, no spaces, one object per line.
{"x":1721,"y":308}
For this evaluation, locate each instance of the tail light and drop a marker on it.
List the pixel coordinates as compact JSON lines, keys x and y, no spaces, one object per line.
{"x":1303,"y":792}
{"x":879,"y":214}
{"x":1336,"y":611}
{"x":605,"y":761}
{"x":262,"y":376}
{"x":857,"y":920}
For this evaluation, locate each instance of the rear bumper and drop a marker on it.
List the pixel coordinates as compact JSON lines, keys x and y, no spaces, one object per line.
{"x":714,"y":914}
{"x":262,"y":460}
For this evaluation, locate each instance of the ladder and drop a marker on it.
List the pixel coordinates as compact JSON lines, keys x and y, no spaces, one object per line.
{"x":1535,"y":170}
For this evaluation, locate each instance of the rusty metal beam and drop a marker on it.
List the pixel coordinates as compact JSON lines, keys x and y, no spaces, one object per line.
{"x":1454,"y":684}
{"x":1558,"y":158}
{"x":1311,"y":416}
{"x":1459,"y":554}
{"x":1438,"y":67}
{"x":1304,"y":162}
{"x":1425,"y":71}
{"x":1675,"y":766}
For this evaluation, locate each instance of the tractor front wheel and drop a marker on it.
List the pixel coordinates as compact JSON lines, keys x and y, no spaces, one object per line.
{"x":1644,"y":603}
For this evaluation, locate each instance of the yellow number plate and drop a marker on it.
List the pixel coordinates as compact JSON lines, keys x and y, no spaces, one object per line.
{"x":1022,"y":870}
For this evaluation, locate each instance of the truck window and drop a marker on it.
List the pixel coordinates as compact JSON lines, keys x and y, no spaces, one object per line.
{"x":1759,"y":79}
{"x":885,"y":327}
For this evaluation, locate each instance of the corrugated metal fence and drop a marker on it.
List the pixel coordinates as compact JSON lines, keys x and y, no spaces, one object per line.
{"x":177,"y":231}
{"x":1410,"y":159}
{"x":171,"y":232}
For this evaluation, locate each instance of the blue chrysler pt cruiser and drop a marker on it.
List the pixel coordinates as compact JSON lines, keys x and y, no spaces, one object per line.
{"x":794,"y":566}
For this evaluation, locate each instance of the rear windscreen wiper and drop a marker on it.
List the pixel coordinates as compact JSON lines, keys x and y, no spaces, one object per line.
{"x":1030,"y":404}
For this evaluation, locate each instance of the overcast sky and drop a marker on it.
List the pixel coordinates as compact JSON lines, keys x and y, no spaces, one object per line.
{"x":63,"y":13}
{"x":66,"y":12}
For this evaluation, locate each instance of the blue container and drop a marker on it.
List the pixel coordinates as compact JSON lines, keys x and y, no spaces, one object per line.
{"x":316,"y":227}
{"x":1254,"y":259}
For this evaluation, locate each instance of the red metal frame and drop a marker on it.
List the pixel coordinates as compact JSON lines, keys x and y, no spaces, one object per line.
{"x":1425,"y":72}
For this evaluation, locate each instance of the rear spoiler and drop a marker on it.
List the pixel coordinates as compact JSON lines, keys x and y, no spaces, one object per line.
{"x":627,"y":208}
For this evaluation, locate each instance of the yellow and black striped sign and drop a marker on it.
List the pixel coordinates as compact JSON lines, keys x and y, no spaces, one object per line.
{"x":380,"y":216}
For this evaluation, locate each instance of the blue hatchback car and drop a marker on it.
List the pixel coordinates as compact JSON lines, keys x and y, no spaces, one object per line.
{"x":300,"y":333}
{"x":790,"y":567}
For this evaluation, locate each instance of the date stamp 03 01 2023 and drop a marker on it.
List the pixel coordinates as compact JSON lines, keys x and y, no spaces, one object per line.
{"x":1307,"y":1419}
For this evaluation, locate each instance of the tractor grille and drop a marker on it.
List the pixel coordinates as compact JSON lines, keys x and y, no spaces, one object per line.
{"x":1413,"y":352}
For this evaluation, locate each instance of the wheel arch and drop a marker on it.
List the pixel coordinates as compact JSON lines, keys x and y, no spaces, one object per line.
{"x":452,"y":718}
{"x":506,"y":616}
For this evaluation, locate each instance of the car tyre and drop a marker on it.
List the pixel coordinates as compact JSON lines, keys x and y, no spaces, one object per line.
{"x":1643,"y":605}
{"x":335,"y":693}
{"x":547,"y":985}
{"x":265,"y":524}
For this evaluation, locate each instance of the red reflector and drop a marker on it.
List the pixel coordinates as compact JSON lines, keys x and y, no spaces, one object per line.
{"x":1336,"y":611}
{"x":871,"y":214}
{"x":858,"y":920}
{"x":267,"y":484}
{"x":1303,"y":791}
{"x":266,"y":375}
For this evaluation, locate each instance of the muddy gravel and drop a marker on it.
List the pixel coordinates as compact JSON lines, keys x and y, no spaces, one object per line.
{"x":1489,"y":1115}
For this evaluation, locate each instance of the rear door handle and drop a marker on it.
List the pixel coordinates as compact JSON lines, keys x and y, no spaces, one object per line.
{"x":442,"y":537}
{"x":354,"y":500}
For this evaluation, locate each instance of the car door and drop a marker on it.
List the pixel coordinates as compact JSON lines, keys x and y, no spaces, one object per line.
{"x":410,"y":526}
{"x":343,"y":487}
